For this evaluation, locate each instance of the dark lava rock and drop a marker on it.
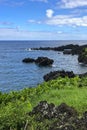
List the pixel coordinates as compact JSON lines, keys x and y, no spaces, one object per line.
{"x":70,"y":49}
{"x":28,"y":60}
{"x":44,"y":110}
{"x":69,"y":111}
{"x":67,"y":51}
{"x":85,"y":115}
{"x":62,"y":127}
{"x":83,"y":75}
{"x":60,"y":48}
{"x":44,"y":61}
{"x":74,"y":49}
{"x":82,"y":57}
{"x":84,"y":119}
{"x":41,"y":61}
{"x":56,"y":74}
{"x":62,"y":117}
{"x":50,"y":111}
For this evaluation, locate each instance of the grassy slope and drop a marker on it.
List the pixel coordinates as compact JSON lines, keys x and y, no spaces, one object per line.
{"x":65,"y":90}
{"x":15,"y":105}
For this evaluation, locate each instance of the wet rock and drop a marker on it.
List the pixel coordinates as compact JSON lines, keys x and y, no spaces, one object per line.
{"x":28,"y":60}
{"x":83,"y":75}
{"x":56,"y":74}
{"x":44,"y":61}
{"x":41,"y":61}
{"x":67,"y":51}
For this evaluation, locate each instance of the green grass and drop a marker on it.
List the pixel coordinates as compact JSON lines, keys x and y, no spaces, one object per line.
{"x":15,"y":105}
{"x":75,"y":97}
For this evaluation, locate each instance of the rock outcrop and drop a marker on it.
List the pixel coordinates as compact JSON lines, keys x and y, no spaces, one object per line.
{"x":83,"y":75}
{"x":73,"y":49}
{"x":28,"y":60}
{"x":41,"y":61}
{"x":56,"y":74}
{"x":69,"y":49}
{"x":82,"y":57}
{"x":44,"y":61}
{"x":49,"y":111}
{"x":62,"y":117}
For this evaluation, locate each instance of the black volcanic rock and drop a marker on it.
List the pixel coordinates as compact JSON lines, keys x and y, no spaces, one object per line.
{"x":67,"y":51}
{"x":56,"y":74}
{"x":82,"y":57}
{"x":62,"y":117}
{"x":41,"y":61}
{"x":44,"y":61}
{"x":49,"y":111}
{"x":83,"y":75}
{"x":75,"y":49}
{"x":60,"y":48}
{"x":64,"y":108}
{"x":28,"y":60}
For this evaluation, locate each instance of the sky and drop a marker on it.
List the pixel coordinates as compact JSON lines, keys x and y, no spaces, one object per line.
{"x":43,"y":19}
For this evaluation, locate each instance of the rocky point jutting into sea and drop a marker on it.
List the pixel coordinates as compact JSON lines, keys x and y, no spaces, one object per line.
{"x":81,"y":51}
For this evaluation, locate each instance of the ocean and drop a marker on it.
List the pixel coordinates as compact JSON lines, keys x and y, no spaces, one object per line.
{"x":16,"y":75}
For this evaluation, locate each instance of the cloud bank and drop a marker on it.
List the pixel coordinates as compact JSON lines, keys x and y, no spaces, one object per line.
{"x":68,"y":20}
{"x":72,"y":3}
{"x":15,"y":34}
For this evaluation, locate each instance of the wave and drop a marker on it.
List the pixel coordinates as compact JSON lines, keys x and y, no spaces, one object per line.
{"x":28,"y":49}
{"x":54,"y":65}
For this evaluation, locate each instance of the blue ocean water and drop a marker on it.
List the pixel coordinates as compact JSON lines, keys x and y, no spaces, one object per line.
{"x":16,"y":75}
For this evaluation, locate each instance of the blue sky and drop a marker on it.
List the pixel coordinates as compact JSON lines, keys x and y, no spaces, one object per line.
{"x":43,"y":19}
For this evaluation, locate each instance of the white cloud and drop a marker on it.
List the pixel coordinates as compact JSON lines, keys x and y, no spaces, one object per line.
{"x":34,"y":21}
{"x":68,"y":20}
{"x":11,"y":3}
{"x":15,"y":34}
{"x":72,"y":3}
{"x":49,"y":13}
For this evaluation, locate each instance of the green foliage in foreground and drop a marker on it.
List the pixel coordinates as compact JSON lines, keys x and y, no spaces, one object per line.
{"x":15,"y":106}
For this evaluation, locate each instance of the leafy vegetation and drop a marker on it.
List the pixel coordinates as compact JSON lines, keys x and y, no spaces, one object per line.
{"x":15,"y":106}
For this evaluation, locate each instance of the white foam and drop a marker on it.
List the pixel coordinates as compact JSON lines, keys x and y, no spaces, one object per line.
{"x":28,"y":49}
{"x":53,"y":65}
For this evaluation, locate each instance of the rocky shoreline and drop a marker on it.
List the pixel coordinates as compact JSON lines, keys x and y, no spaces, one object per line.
{"x":55,"y":74}
{"x":83,"y":56}
{"x":81,"y":51}
{"x":75,"y":49}
{"x":69,"y":49}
